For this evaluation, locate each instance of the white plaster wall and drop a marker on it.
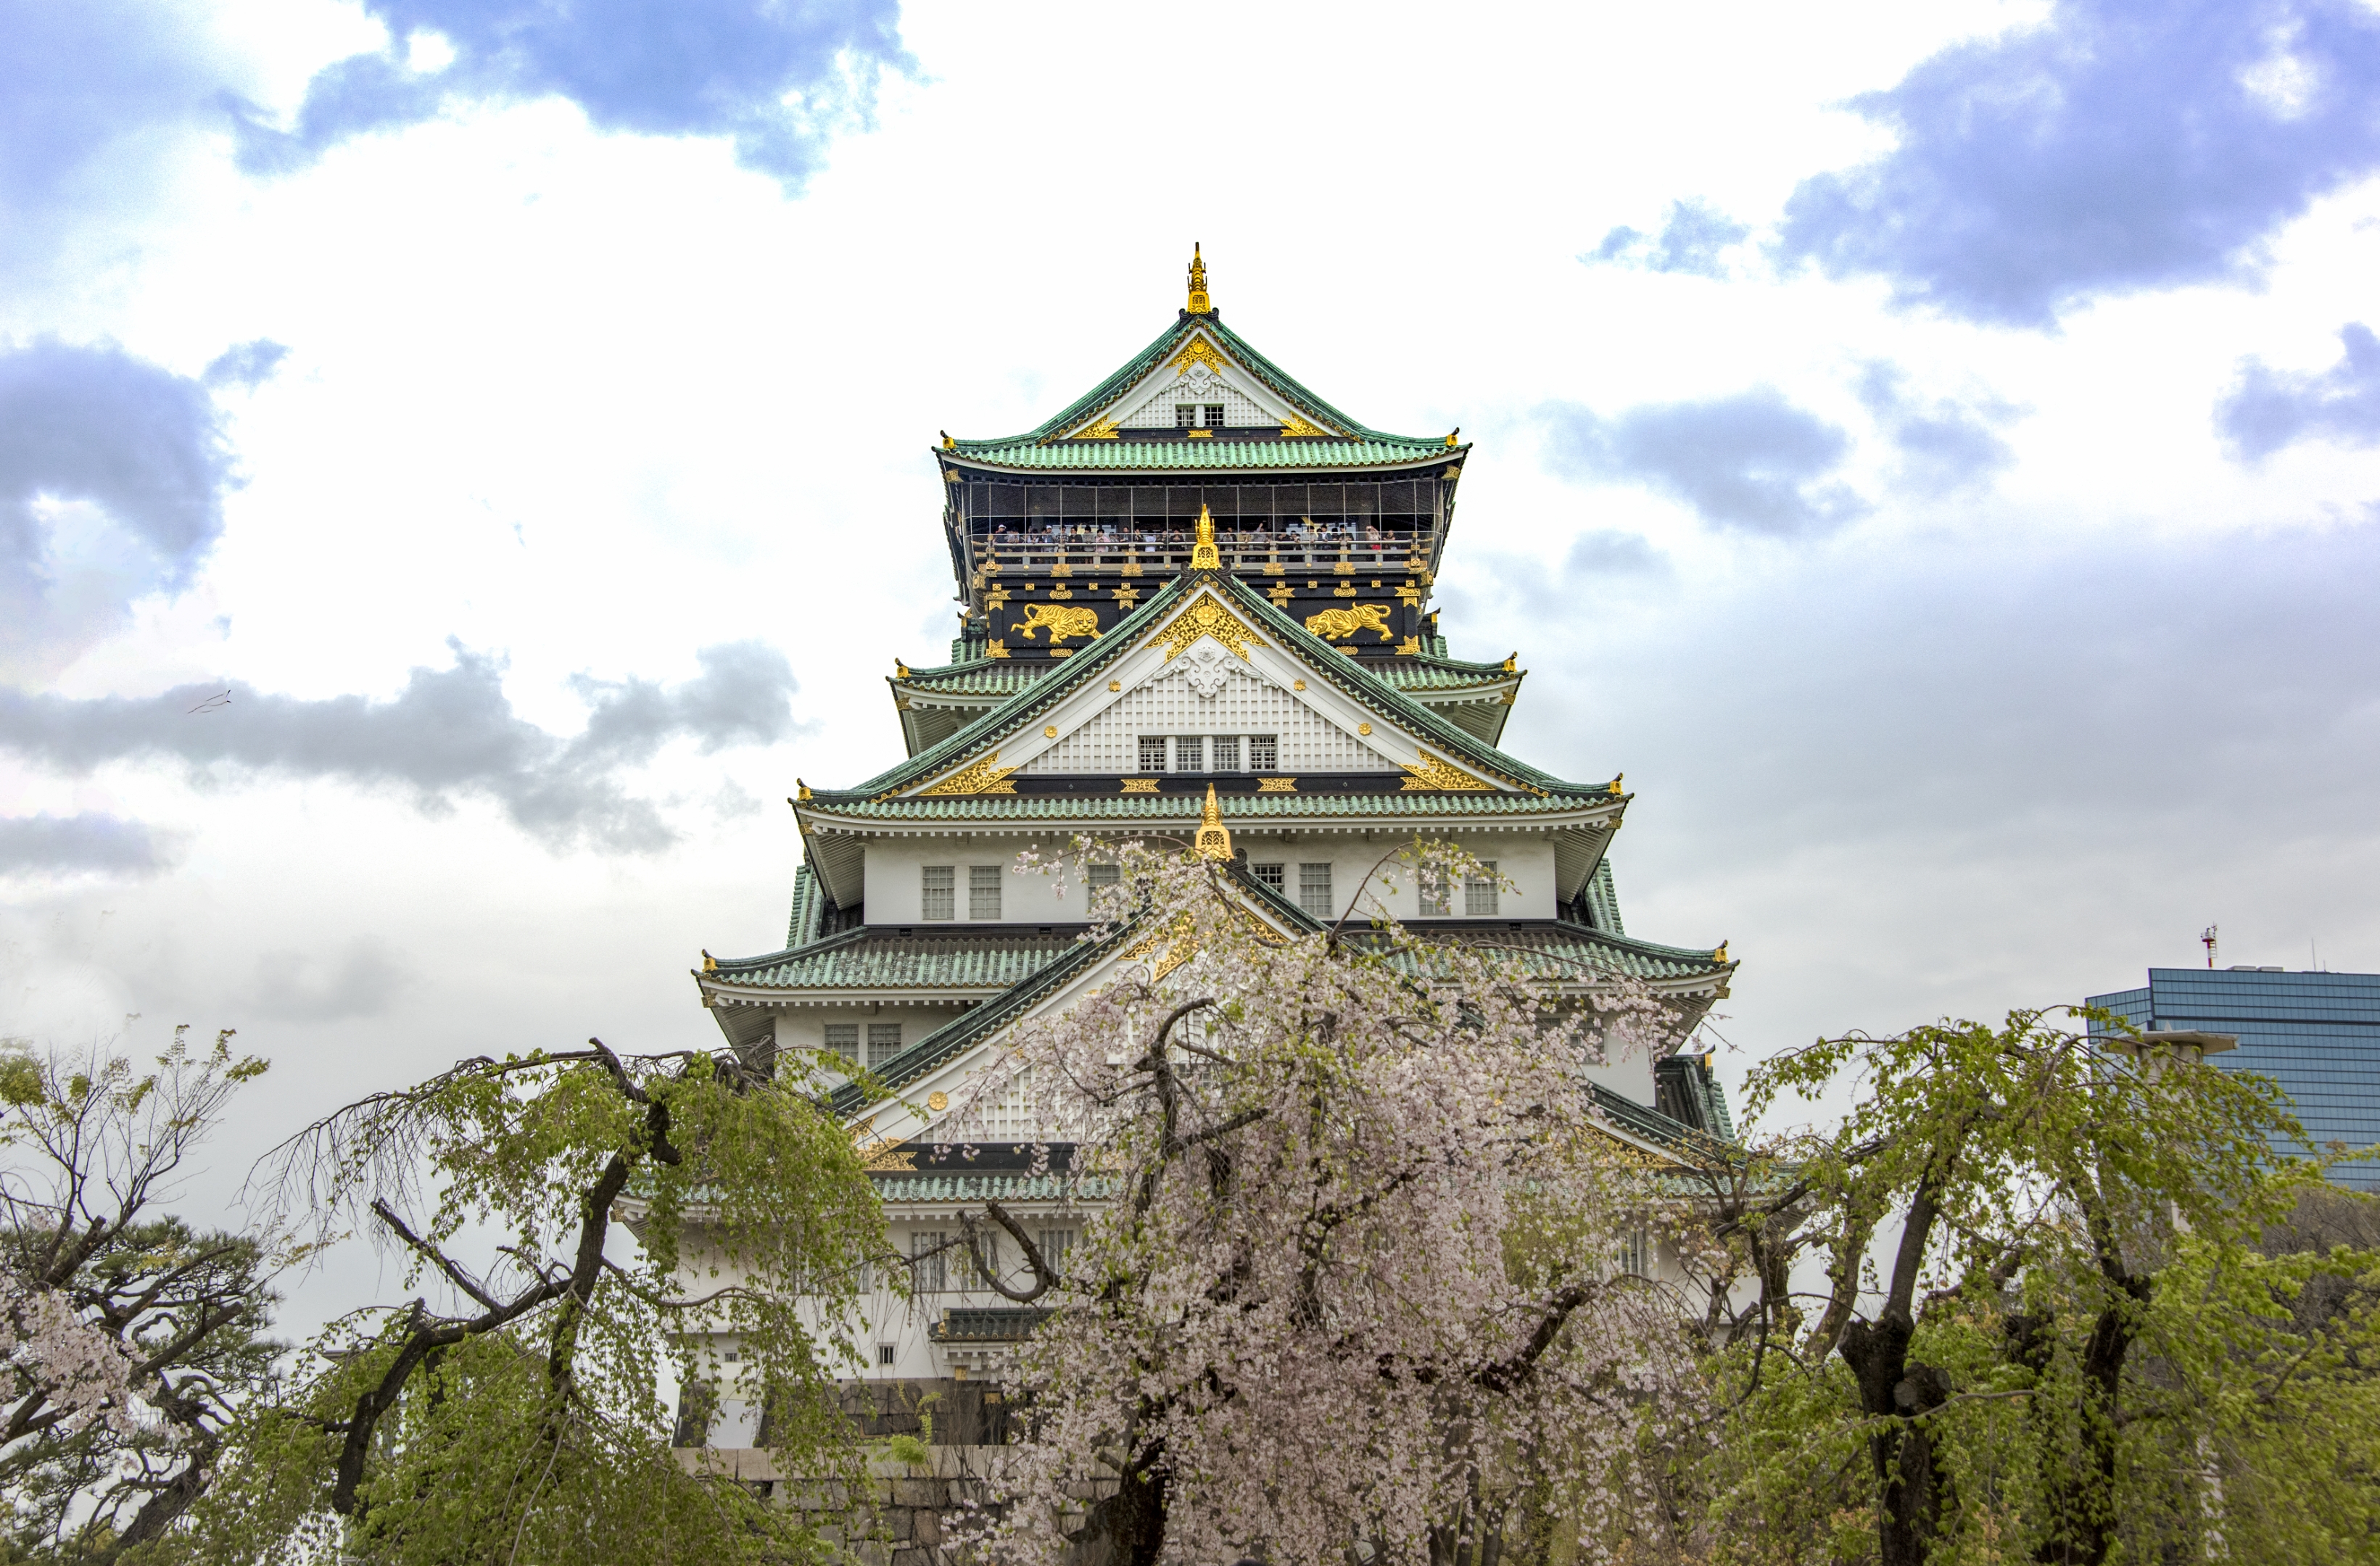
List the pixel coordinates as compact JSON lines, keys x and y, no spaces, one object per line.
{"x":1526,"y":859}
{"x":1246,"y":704}
{"x":803,"y":1027}
{"x":895,"y":881}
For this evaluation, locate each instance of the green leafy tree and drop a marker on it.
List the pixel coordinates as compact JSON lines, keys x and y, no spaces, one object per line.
{"x":2054,"y":1327}
{"x":131,"y":1337}
{"x":514,"y":1409}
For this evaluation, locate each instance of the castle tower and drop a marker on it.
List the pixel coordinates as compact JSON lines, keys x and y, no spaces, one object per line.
{"x":1196,"y":604}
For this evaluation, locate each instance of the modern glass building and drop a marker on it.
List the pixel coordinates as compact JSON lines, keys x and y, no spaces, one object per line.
{"x":2316,"y":1034}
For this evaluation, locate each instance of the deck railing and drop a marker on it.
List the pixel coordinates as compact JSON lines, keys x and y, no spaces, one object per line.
{"x":1016,"y":554}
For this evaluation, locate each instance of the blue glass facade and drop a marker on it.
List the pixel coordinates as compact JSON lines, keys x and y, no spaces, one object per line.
{"x":2316,"y":1034}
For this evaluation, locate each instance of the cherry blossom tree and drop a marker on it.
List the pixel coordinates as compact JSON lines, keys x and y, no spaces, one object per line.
{"x":1357,"y":1283}
{"x":127,"y":1338}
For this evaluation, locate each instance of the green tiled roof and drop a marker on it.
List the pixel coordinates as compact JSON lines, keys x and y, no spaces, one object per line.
{"x":1603,"y":899}
{"x":1367,"y":445}
{"x":1441,"y":673}
{"x":1004,"y":675}
{"x":1237,"y":808}
{"x":902,"y":1185}
{"x":1569,"y":951}
{"x":809,"y":904}
{"x":1694,"y":1147}
{"x":1348,"y":673}
{"x":979,"y":1022}
{"x":1130,"y":455}
{"x":872,"y":958}
{"x":1001,"y":676}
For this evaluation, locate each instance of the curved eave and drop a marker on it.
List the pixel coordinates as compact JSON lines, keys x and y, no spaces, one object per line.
{"x":1121,"y":381}
{"x":1361,"y":684}
{"x":1352,"y":812}
{"x":1132,"y":458}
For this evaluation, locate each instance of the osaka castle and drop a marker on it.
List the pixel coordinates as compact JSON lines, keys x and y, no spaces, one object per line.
{"x":1199,"y":591}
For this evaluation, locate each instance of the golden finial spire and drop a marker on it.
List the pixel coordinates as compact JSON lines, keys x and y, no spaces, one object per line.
{"x":1198,"y":305}
{"x":1204,"y":555}
{"x":1214,"y":838}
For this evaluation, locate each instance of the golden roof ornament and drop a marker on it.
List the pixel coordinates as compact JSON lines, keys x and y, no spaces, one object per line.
{"x":1214,"y":841}
{"x":1204,"y":555}
{"x":1198,"y":302}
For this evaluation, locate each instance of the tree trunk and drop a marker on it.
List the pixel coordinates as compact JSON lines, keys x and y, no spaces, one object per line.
{"x":2081,"y":1496}
{"x":1135,"y":1522}
{"x":1910,"y":1488}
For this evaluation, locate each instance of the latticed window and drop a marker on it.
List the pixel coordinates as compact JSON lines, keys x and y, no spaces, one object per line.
{"x":983,"y":891}
{"x":842,"y":1037}
{"x":1185,"y":415}
{"x":1271,"y":875}
{"x":929,"y":1273}
{"x":1189,"y":753}
{"x":1227,"y":753}
{"x":1055,"y":1243}
{"x":1152,"y":753}
{"x":1264,"y":752}
{"x":1314,"y":888}
{"x":1102,"y":874}
{"x":883,"y":1042}
{"x":1212,"y":417}
{"x":940,"y":898}
{"x":1437,"y":897}
{"x":1479,"y":891}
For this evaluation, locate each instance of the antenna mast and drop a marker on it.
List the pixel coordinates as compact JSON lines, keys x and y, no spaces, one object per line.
{"x":2208,"y":935}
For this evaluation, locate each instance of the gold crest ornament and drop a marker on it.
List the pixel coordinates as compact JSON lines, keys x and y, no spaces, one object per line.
{"x":1198,"y":301}
{"x":1207,"y":617}
{"x":1430,"y":773}
{"x":1195,"y":352}
{"x":1214,"y":841}
{"x":1204,"y":555}
{"x":984,"y":777}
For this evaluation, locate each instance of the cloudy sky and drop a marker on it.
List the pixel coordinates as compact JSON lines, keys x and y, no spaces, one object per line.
{"x":459,"y":462}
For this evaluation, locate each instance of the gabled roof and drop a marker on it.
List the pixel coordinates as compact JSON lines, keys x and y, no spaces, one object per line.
{"x":1137,"y":370}
{"x":1348,"y":675}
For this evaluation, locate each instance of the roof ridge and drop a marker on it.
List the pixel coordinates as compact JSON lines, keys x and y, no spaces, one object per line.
{"x":1122,"y":379}
{"x":1403,"y":707}
{"x":1116,"y":641}
{"x":934,"y":758}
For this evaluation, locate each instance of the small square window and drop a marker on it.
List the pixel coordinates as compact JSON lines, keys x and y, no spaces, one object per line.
{"x":1185,"y":415}
{"x":983,"y":891}
{"x":1437,"y":902}
{"x":883,"y":1042}
{"x":1264,"y":753}
{"x":1212,"y":417}
{"x":1271,"y":875}
{"x":842,"y":1037}
{"x":1103,"y":875}
{"x":1189,"y":753}
{"x":940,"y":898}
{"x":1314,"y":888}
{"x":1152,"y":753}
{"x":1479,"y":892}
{"x":884,"y":1353}
{"x":1227,"y":753}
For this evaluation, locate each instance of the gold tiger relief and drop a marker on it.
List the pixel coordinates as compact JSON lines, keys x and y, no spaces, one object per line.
{"x":1338,"y":625}
{"x":1062,"y":620}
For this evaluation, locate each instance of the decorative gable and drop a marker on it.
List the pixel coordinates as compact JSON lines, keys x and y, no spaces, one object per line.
{"x":1199,"y":374}
{"x":1207,"y":692}
{"x":1204,"y":669}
